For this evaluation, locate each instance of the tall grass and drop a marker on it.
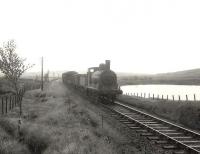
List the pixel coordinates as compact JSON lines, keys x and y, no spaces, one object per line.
{"x":185,"y":113}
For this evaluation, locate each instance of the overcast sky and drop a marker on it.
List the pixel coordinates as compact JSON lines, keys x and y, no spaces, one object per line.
{"x":139,"y":36}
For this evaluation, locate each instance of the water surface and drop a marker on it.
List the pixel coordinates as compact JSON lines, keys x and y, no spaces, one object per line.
{"x":170,"y":90}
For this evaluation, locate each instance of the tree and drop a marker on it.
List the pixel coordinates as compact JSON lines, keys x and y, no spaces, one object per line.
{"x":46,"y":77}
{"x":11,"y":64}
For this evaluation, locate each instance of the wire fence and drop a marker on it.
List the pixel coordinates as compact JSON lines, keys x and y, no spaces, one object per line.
{"x":9,"y":102}
{"x":162,"y":97}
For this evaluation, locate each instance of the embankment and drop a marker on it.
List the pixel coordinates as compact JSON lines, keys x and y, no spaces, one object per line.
{"x":182,"y":112}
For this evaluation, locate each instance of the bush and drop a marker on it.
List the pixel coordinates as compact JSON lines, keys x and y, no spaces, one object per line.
{"x":8,"y":126}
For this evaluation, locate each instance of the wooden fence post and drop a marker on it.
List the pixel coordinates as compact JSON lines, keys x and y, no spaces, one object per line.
{"x":194,"y":97}
{"x":179,"y":97}
{"x":17,"y":100}
{"x":20,"y":105}
{"x":173,"y":97}
{"x":6,"y":104}
{"x":2,"y":105}
{"x":102,"y":121}
{"x":153,"y":96}
{"x":13,"y":101}
{"x":144,"y":95}
{"x":10,"y":103}
{"x":186,"y":97}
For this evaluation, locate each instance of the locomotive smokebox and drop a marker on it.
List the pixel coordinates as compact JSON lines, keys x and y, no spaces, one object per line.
{"x":107,"y":64}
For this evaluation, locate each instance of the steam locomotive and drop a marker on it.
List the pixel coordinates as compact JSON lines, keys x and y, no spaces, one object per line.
{"x":100,"y":83}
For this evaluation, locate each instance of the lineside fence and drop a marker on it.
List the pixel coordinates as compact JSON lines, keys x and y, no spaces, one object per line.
{"x":8,"y":102}
{"x":161,"y":97}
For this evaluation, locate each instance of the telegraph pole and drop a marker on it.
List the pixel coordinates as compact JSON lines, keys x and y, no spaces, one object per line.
{"x":42,"y":83}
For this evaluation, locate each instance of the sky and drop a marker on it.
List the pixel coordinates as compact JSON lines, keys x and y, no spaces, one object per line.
{"x":138,"y":36}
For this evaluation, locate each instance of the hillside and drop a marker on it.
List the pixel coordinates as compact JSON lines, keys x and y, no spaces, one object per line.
{"x":186,"y":77}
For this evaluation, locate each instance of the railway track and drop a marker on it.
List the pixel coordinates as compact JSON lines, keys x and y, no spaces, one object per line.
{"x":171,"y":136}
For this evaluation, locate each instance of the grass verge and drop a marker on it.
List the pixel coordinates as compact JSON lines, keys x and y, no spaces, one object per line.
{"x":53,"y":125}
{"x":182,"y":112}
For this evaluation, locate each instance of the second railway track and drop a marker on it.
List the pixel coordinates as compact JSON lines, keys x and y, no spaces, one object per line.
{"x":173,"y":137}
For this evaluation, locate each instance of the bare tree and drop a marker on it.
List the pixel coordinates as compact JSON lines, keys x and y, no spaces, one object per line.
{"x":11,"y":64}
{"x":46,"y":77}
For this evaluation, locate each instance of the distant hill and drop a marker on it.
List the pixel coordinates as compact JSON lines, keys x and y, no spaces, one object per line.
{"x":185,"y":73}
{"x":122,"y":74}
{"x":186,"y":77}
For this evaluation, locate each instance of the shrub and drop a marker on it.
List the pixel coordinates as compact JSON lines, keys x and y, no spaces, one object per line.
{"x":8,"y":126}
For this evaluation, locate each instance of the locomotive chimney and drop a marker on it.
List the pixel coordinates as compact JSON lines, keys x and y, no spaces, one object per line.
{"x":107,"y":64}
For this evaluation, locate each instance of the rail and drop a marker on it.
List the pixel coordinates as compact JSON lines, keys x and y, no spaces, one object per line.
{"x":178,"y":136}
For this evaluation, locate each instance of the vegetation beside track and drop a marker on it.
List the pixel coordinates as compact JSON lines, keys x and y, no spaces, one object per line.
{"x":53,"y":124}
{"x":184,"y":113}
{"x":7,"y":88}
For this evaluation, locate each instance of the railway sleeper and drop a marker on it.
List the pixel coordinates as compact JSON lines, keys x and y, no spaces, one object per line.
{"x":179,"y":152}
{"x":131,"y":125}
{"x":153,"y":122}
{"x":167,"y":130}
{"x":161,"y":142}
{"x":141,"y":130}
{"x":146,"y":134}
{"x":171,"y":134}
{"x":144,"y":120}
{"x":180,"y":138}
{"x":160,"y":128}
{"x":135,"y":117}
{"x":169,"y":147}
{"x":153,"y":138}
{"x":135,"y":127}
{"x":153,"y":125}
{"x":127,"y":122}
{"x":191,"y":141}
{"x":129,"y":113}
{"x":123,"y":120}
{"x":195,"y":146}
